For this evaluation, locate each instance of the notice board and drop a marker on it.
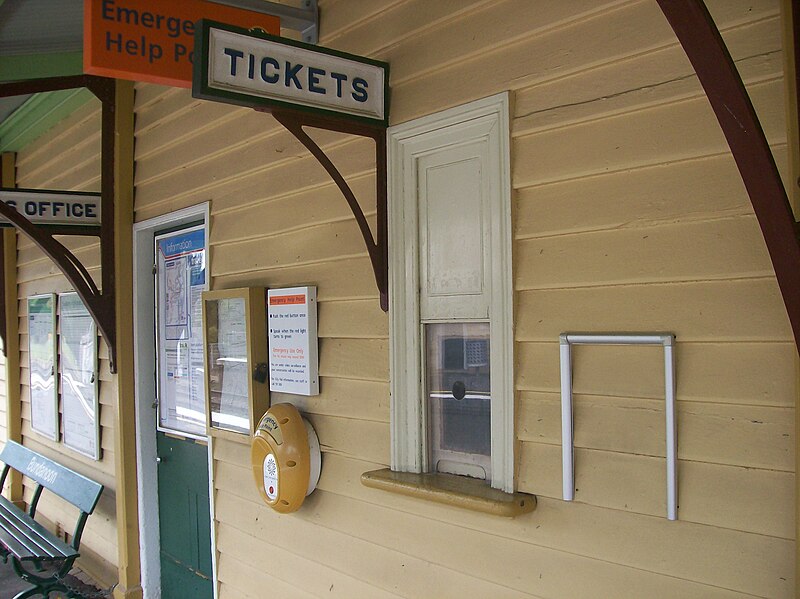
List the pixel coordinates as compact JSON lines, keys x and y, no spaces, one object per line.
{"x":42,"y":364}
{"x":79,"y":384}
{"x":180,"y":282}
{"x":293,"y":351}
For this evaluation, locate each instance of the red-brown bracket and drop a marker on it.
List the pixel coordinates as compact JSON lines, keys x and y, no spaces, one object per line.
{"x":709,"y":56}
{"x":100,"y":304}
{"x":294,"y":121}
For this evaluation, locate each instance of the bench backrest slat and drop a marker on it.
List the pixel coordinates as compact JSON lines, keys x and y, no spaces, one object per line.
{"x":71,"y":486}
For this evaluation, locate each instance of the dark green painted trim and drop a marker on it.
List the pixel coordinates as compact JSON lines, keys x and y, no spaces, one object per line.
{"x":39,"y":114}
{"x":40,"y":66}
{"x":201,"y":89}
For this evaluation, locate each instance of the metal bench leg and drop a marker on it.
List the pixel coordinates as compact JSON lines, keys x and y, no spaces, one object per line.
{"x":43,"y":586}
{"x":29,"y":593}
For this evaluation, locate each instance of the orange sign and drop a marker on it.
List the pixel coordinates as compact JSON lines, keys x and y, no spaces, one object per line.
{"x":153,"y":40}
{"x":286,"y":300}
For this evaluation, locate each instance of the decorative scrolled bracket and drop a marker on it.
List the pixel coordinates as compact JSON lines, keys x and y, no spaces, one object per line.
{"x":100,"y":304}
{"x":377,"y":246}
{"x":706,"y":50}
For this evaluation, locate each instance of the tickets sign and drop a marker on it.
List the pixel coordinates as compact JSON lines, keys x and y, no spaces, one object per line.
{"x":54,"y":207}
{"x":256,"y":69}
{"x":153,"y":40}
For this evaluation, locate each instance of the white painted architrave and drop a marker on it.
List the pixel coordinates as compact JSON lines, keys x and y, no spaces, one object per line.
{"x":145,"y":393}
{"x":486,"y":121}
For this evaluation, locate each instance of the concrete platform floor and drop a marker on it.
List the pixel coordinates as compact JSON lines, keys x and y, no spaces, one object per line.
{"x":10,"y":584}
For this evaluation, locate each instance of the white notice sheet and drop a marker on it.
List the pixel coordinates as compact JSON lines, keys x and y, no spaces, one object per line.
{"x":78,"y":352}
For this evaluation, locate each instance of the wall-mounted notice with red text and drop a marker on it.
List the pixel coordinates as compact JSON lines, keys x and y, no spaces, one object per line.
{"x":293,"y":348}
{"x":153,"y":40}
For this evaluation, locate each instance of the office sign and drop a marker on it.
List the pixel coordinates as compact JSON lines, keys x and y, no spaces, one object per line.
{"x":54,"y":207}
{"x":153,"y":40}
{"x":257,"y":69}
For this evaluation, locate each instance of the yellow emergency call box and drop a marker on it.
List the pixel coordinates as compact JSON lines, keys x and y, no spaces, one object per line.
{"x":285,"y":458}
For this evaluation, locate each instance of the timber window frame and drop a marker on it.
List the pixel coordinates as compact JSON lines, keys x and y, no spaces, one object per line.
{"x":486,"y":123}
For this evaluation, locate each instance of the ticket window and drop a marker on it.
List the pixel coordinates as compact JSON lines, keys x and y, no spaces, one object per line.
{"x":450,"y":242}
{"x":459,"y":398}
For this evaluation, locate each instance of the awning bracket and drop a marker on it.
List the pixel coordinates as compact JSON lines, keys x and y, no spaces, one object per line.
{"x":377,"y":246}
{"x":706,"y":50}
{"x":100,"y":304}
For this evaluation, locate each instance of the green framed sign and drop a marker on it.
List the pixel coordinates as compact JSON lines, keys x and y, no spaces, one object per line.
{"x":255,"y":69}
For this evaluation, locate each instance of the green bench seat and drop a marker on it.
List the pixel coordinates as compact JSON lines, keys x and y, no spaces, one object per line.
{"x":39,"y":556}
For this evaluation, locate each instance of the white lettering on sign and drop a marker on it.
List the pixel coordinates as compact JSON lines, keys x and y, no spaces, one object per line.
{"x":42,"y":471}
{"x":277,"y":71}
{"x":52,"y":207}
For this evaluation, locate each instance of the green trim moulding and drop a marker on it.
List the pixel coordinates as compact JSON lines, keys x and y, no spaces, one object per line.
{"x":38,"y":114}
{"x":40,"y":66}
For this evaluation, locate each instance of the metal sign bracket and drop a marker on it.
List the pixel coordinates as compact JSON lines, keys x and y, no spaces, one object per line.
{"x":98,"y":301}
{"x":377,"y":246}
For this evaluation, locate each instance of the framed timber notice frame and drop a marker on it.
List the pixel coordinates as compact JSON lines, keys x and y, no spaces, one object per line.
{"x":42,"y":364}
{"x":255,"y":69}
{"x":79,"y":376}
{"x":236,"y":369}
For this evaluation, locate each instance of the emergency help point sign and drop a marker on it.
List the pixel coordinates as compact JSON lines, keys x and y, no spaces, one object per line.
{"x":255,"y":69}
{"x":153,"y":40}
{"x":54,"y":207}
{"x":293,"y":351}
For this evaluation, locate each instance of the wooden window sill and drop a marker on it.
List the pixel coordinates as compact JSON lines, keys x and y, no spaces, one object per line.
{"x":458,"y":491}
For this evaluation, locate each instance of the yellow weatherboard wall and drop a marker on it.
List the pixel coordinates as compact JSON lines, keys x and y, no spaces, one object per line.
{"x":629,"y":215}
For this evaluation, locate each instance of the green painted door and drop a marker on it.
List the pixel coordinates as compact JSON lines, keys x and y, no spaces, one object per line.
{"x":184,"y":518}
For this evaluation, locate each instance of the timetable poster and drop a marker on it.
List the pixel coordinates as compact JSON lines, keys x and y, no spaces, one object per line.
{"x":181,"y":279}
{"x":78,"y":352}
{"x":42,"y":361}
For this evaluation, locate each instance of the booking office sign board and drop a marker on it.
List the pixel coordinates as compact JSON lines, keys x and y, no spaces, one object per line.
{"x":181,"y":278}
{"x":42,"y":364}
{"x":79,"y":384}
{"x":256,"y":69}
{"x":46,"y":207}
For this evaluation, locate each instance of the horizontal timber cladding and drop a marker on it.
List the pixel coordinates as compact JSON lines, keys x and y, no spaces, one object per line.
{"x":67,"y":157}
{"x":629,"y":215}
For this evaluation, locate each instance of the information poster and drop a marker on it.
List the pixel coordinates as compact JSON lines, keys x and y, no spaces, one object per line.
{"x":293,"y":357}
{"x":78,"y":357}
{"x":42,"y":359}
{"x":228,"y":370}
{"x":180,"y":280}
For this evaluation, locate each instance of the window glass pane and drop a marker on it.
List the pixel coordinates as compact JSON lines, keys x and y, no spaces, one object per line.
{"x":458,"y":396}
{"x":227,"y":364}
